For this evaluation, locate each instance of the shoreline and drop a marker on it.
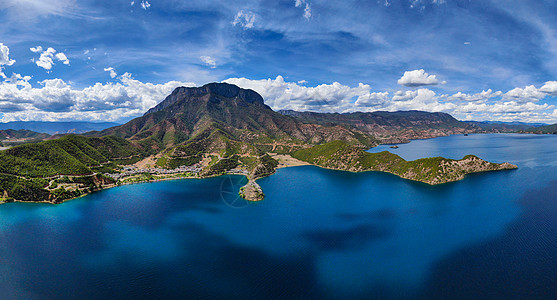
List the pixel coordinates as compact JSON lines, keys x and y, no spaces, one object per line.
{"x":287,"y":162}
{"x":123,"y":184}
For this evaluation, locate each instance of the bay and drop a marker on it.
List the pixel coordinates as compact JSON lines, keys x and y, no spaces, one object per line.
{"x":318,"y":234}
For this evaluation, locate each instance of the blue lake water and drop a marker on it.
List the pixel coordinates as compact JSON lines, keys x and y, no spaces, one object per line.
{"x":318,"y":234}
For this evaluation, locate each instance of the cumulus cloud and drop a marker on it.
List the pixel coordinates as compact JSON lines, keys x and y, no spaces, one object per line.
{"x":145,"y":5}
{"x":112,"y":72}
{"x":550,"y":88}
{"x":417,"y":78}
{"x":372,"y":99}
{"x":244,"y":19}
{"x":336,"y":97}
{"x":209,"y":61}
{"x":5,"y":58}
{"x":56,"y":99}
{"x":46,"y":60}
{"x":526,"y":94}
{"x":478,"y":97}
{"x":280,"y":94}
{"x":307,"y":7}
{"x":36,"y":49}
{"x":62,"y":57}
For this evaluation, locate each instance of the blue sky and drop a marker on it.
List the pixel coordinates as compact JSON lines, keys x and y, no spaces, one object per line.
{"x":111,"y":60}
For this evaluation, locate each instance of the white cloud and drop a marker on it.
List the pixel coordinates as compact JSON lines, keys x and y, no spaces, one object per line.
{"x":132,"y":3}
{"x":46,"y":60}
{"x":56,"y":99}
{"x":5,"y":58}
{"x":526,"y":94}
{"x":550,"y":88}
{"x":36,"y":49}
{"x":112,"y":72}
{"x":417,"y":78}
{"x":372,"y":99}
{"x":307,"y":7}
{"x":478,"y":97}
{"x":244,"y":19}
{"x":335,"y":97}
{"x":62,"y":57}
{"x":280,"y":94}
{"x":29,"y":10}
{"x":145,"y":5}
{"x":209,"y":61}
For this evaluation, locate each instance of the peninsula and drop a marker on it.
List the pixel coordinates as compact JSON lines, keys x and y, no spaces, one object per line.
{"x":221,"y":129}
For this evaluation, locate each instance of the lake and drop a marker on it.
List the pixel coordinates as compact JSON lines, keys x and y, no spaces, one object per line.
{"x":318,"y":234}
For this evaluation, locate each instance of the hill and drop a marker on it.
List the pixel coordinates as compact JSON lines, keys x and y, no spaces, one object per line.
{"x":435,"y":170}
{"x":32,"y":172}
{"x":503,"y":127}
{"x":57,"y":127}
{"x":11,"y":137}
{"x":548,"y":129}
{"x":390,"y":127}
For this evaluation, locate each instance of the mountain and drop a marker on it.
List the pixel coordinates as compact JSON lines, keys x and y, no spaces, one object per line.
{"x":57,"y":127}
{"x":14,"y":136}
{"x":232,"y":112}
{"x":548,"y":129}
{"x":390,"y":127}
{"x":501,"y":127}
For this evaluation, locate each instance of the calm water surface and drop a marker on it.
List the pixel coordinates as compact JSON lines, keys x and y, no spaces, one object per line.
{"x":318,"y":234}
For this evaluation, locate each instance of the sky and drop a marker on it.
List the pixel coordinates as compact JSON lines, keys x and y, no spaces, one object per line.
{"x":111,"y":60}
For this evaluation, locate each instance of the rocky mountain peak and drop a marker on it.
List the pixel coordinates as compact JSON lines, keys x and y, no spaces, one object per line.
{"x":225,"y":90}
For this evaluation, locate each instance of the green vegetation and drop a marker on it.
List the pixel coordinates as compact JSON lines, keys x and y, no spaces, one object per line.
{"x":24,"y":168}
{"x":144,"y":177}
{"x":221,"y":166}
{"x":343,"y":156}
{"x":71,"y":155}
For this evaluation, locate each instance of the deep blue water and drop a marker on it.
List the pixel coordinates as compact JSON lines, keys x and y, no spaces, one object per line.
{"x":318,"y":234}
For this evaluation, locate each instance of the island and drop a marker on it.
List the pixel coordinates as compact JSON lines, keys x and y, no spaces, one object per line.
{"x":222,"y":129}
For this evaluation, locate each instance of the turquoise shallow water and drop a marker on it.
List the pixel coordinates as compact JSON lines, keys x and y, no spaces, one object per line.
{"x":318,"y":234}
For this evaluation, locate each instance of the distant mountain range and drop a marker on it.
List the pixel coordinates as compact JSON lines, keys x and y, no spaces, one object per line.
{"x":12,"y":134}
{"x":547,"y":129}
{"x":496,"y":126}
{"x":57,"y":127}
{"x":390,"y":127}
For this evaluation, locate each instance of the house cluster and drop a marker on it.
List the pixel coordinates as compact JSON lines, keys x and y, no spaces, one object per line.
{"x":133,"y":170}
